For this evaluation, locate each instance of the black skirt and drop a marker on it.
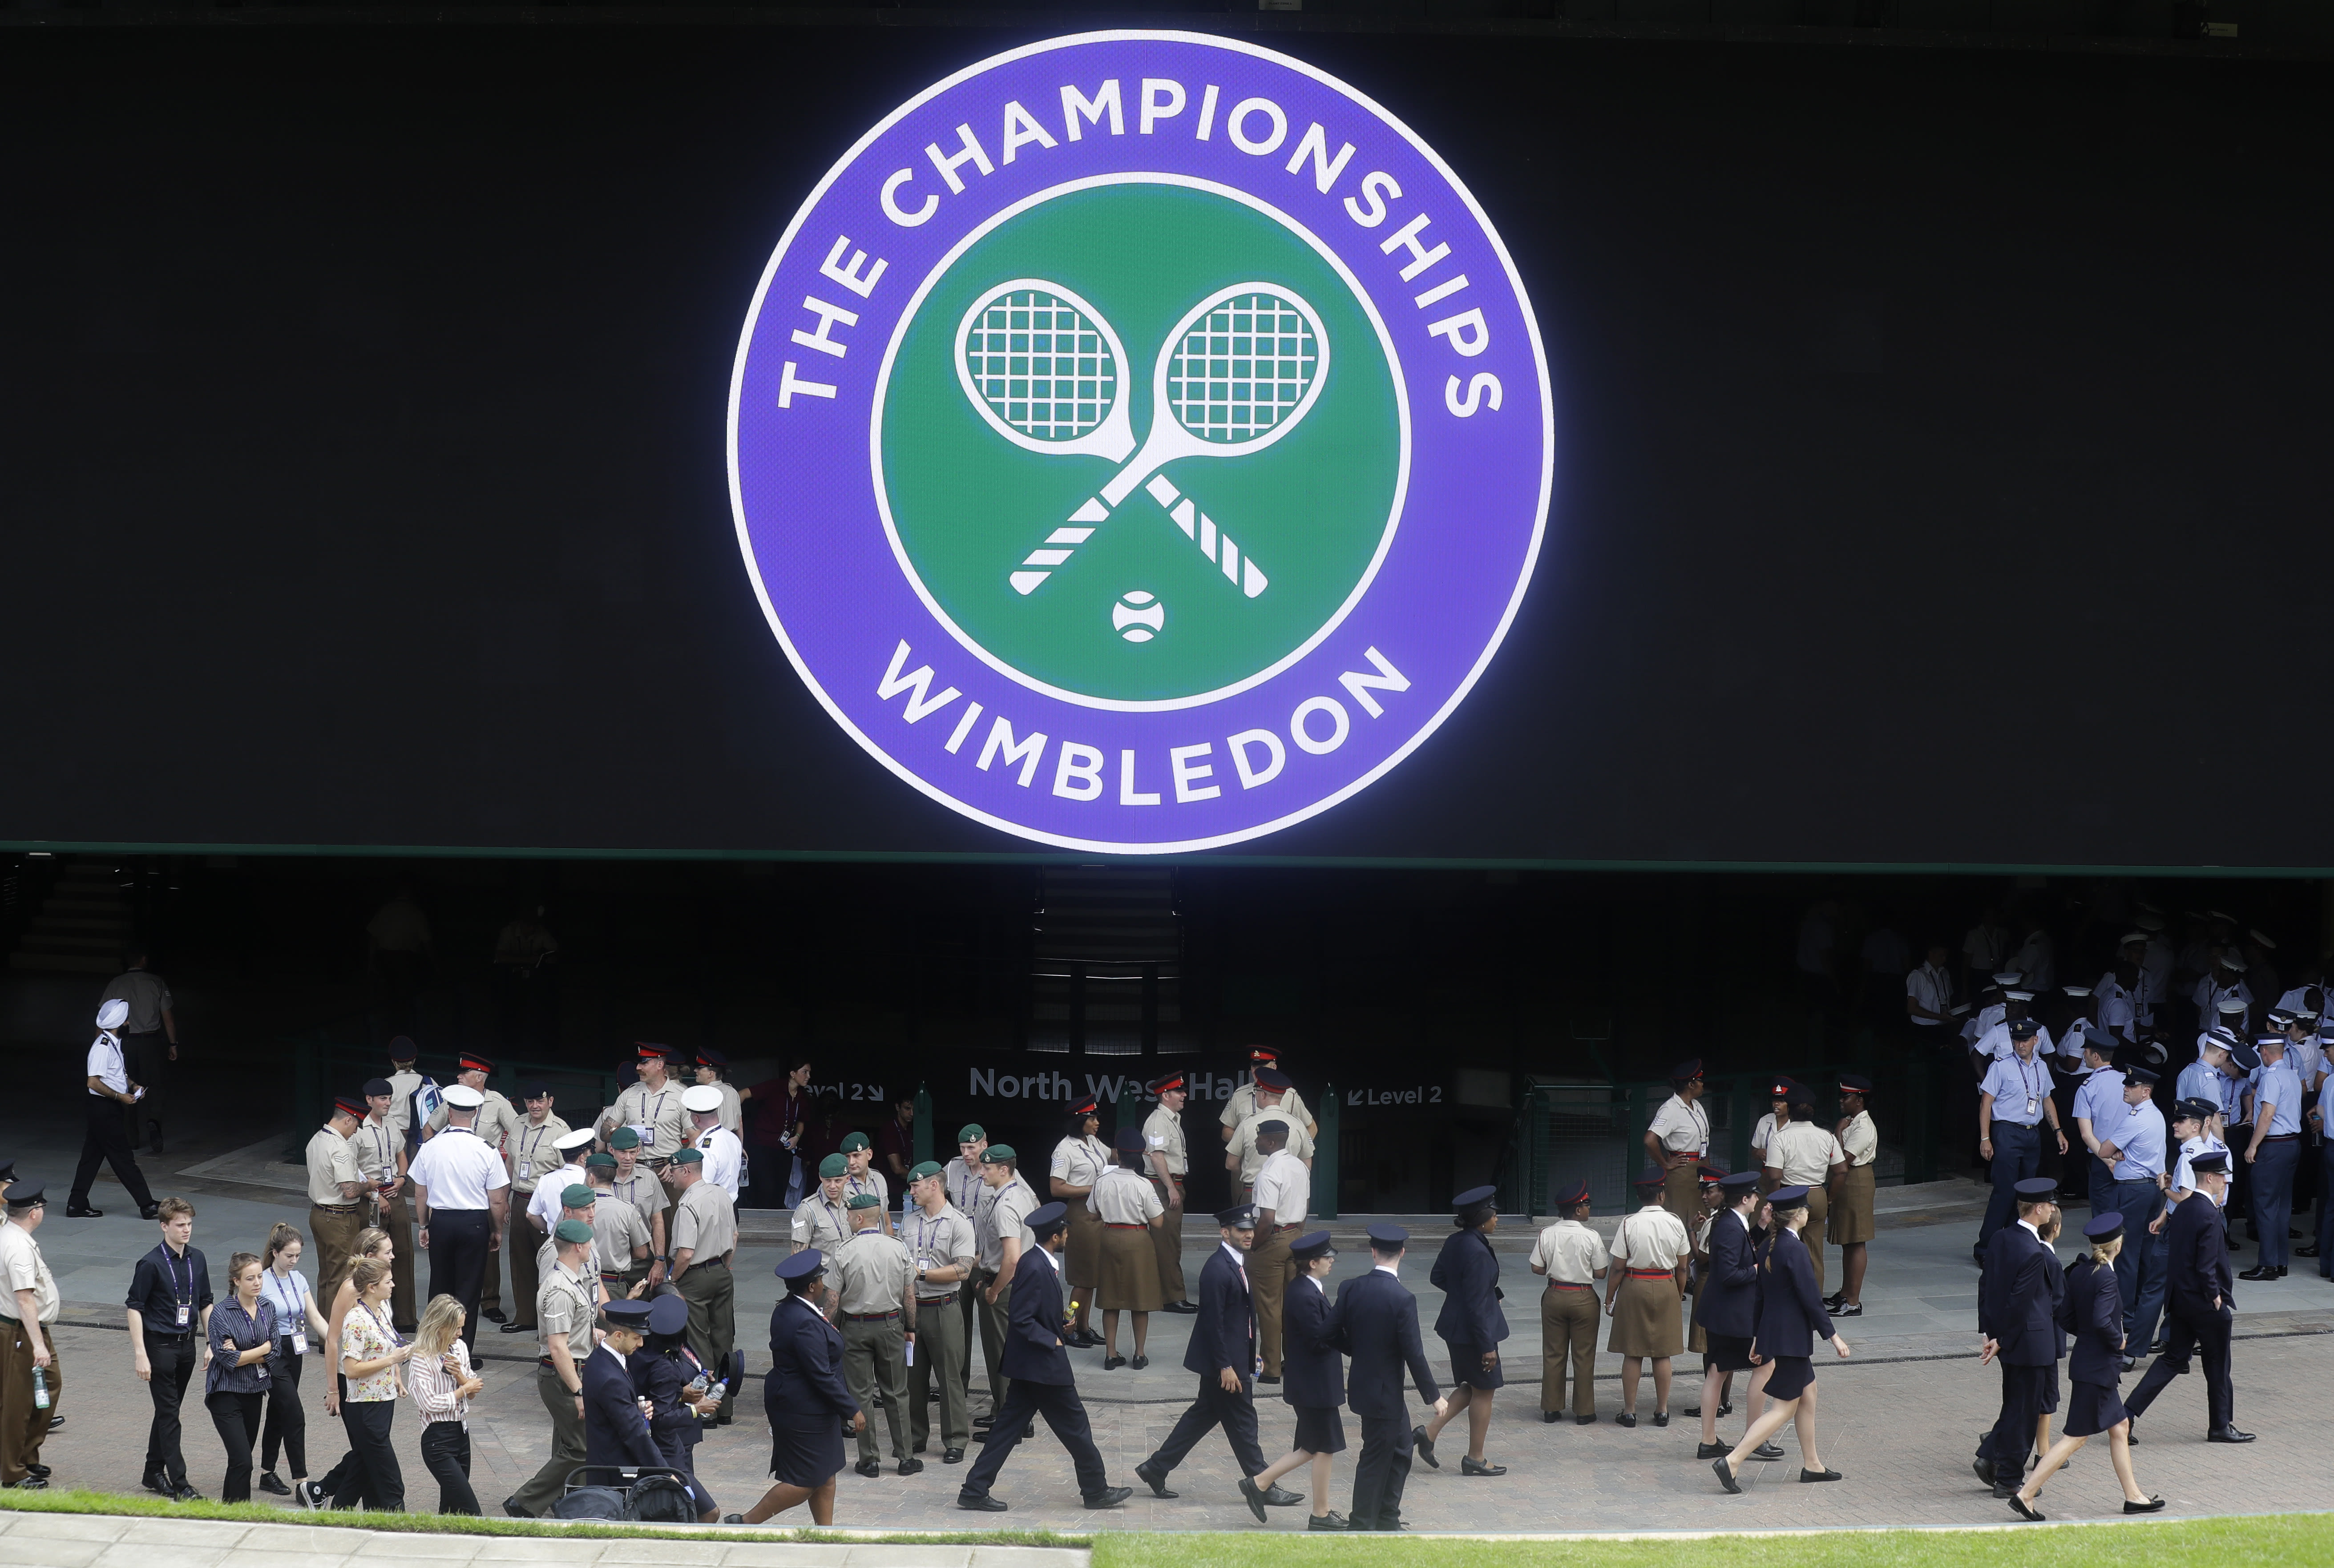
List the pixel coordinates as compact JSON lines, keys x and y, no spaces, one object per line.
{"x":2092,"y":1409}
{"x":1792,"y":1376}
{"x":1467,"y":1365}
{"x":1320,"y":1429}
{"x":1726,"y":1353}
{"x":806,"y":1456}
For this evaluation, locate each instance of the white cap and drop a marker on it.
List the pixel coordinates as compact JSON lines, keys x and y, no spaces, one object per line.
{"x":2008,"y":977}
{"x":2261,"y":941}
{"x":2019,"y":996}
{"x":2232,"y":964}
{"x":700,"y":1097}
{"x":2220,"y":914}
{"x":462,"y":1097}
{"x":569,"y":1142}
{"x":113,"y":1013}
{"x":2077,"y":990}
{"x":2150,"y":922}
{"x":2131,"y":937}
{"x":2231,"y":1007}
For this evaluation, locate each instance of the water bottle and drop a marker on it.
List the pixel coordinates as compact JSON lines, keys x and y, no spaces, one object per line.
{"x":40,"y":1388}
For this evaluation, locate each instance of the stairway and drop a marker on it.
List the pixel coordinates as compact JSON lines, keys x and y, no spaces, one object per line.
{"x":1106,"y":961}
{"x":83,"y":925}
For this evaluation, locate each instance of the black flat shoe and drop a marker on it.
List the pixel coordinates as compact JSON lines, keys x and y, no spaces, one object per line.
{"x":1768,"y":1452}
{"x":1154,"y":1479}
{"x":1725,"y":1409}
{"x":1550,"y":1418}
{"x":2020,"y":1506}
{"x":1423,"y":1446}
{"x":1479,"y":1468}
{"x":2228,"y":1435}
{"x":519,"y":1327}
{"x":1984,"y":1469}
{"x":2152,"y":1506}
{"x":1139,"y":1362}
{"x":493,"y":1315}
{"x":269,"y":1484}
{"x":1181,"y":1306}
{"x":1819,"y":1475}
{"x":158,"y":1484}
{"x":1332,"y":1520}
{"x":1625,"y":1418}
{"x":72,"y":1213}
{"x":2305,"y":1251}
{"x":868,"y":1467}
{"x":1711,"y":1450}
{"x":1583,"y":1420}
{"x":1692,"y":1412}
{"x":1112,"y":1363}
{"x":1110,"y":1499}
{"x":151,"y":1211}
{"x":2263,"y":1271}
{"x":952,"y":1455}
{"x":1254,"y":1498}
{"x":981,"y":1505}
{"x":2004,"y":1490}
{"x":1725,"y":1474}
{"x":1661,"y":1418}
{"x":911,"y":1465}
{"x":1281,"y":1497}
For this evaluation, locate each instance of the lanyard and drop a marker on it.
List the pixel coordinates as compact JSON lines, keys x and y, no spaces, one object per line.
{"x":183,"y":1294}
{"x":282,"y":1294}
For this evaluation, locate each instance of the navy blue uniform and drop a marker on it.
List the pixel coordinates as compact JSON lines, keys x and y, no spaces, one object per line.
{"x":1470,"y":1324}
{"x":2196,"y":1275}
{"x":2018,"y":1309}
{"x":2093,"y":1315}
{"x":1375,"y":1322}
{"x":1313,"y":1372}
{"x":1223,"y":1335}
{"x":659,"y":1376}
{"x":614,"y":1431}
{"x":1726,"y":1303}
{"x":1038,"y":1381}
{"x":1791,"y":1316}
{"x":805,"y":1396}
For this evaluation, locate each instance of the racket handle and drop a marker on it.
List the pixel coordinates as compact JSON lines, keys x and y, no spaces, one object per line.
{"x":1215,"y":544}
{"x":1040,"y":563}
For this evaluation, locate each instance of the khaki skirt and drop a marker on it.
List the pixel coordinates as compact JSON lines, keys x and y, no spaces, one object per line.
{"x":1647,"y":1319}
{"x":1084,"y":1250}
{"x":1130,"y":1272}
{"x":1851,"y":1217}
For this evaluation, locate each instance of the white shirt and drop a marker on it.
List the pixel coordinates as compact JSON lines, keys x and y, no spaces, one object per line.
{"x":1284,"y":1185}
{"x":1932,"y":988}
{"x":545,"y":1205}
{"x":2184,"y":1177}
{"x":724,"y":1156}
{"x":458,"y":1170}
{"x":105,"y":1064}
{"x":1683,"y":1129}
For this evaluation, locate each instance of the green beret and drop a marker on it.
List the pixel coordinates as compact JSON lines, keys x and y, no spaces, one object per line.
{"x":971,"y":1132}
{"x":864,"y":1200}
{"x":929,"y":1168}
{"x":853,"y":1142}
{"x":601,"y":1161}
{"x":833,"y":1166}
{"x":578,"y":1195}
{"x":573,"y":1232}
{"x":690,"y":1156}
{"x":623,"y":1138}
{"x":997,"y":1154}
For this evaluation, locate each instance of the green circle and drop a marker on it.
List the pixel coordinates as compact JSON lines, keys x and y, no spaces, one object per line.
{"x":1310,"y":511}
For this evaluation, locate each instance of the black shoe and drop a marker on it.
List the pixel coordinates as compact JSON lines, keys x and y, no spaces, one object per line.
{"x":1984,"y":1469}
{"x":2262,"y":1271}
{"x":733,"y":1518}
{"x":2130,"y":1362}
{"x":1181,"y":1306}
{"x":30,"y":1483}
{"x":920,"y":1448}
{"x":2150,"y":1507}
{"x":56,"y":1422}
{"x":2020,"y":1506}
{"x":40,"y":1470}
{"x":1332,"y":1520}
{"x":982,"y":1505}
{"x":1550,"y":1418}
{"x":1467,"y":1467}
{"x":1423,"y":1446}
{"x":2004,"y":1490}
{"x":493,"y":1315}
{"x":1583,"y":1420}
{"x":868,"y":1467}
{"x":952,"y":1457}
{"x":1711,"y":1450}
{"x":1268,"y":1377}
{"x":312,"y":1494}
{"x":151,"y":1211}
{"x":510,"y":1507}
{"x":269,"y":1482}
{"x":156,"y":1483}
{"x":1853,"y":1309}
{"x":1154,"y":1479}
{"x":1281,"y":1497}
{"x":1725,"y":1409}
{"x":881,"y":1401}
{"x":1826,"y":1474}
{"x":2305,"y":1251}
{"x":1831,"y":1303}
{"x":1111,"y":1498}
{"x":1661,"y":1418}
{"x":1693,"y":1412}
{"x":519,"y":1327}
{"x":72,"y":1213}
{"x":187,"y":1494}
{"x":2228,"y":1435}
{"x":1112,"y":1363}
{"x":1625,"y":1418}
{"x":2159,"y":1347}
{"x":1725,"y":1474}
{"x":1253,"y":1495}
{"x":1767,"y":1453}
{"x":984,"y":1421}
{"x":1139,"y":1362}
{"x":911,"y":1465}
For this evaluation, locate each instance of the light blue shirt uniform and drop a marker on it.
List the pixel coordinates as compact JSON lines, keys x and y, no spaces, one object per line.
{"x":2183,"y":1178}
{"x":2278,"y":1086}
{"x":2200,"y":1080}
{"x":2101,"y":1099}
{"x":2020,"y":1090}
{"x":2140,"y":1142}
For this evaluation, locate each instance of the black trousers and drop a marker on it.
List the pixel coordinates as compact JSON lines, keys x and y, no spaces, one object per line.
{"x":1066,"y":1415}
{"x":446,"y":1451}
{"x":1381,"y":1473}
{"x":172,"y":1359}
{"x":147,"y":1057}
{"x":1235,"y":1413}
{"x":106,"y":1142}
{"x":236,"y":1416}
{"x":459,"y":1242}
{"x":2192,"y":1332}
{"x":376,"y":1476}
{"x":2012,"y":1439}
{"x":287,"y":1424}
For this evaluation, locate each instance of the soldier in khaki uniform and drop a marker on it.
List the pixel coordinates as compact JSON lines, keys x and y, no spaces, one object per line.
{"x":1572,"y":1256}
{"x":381,"y":1160}
{"x":1802,"y":1153}
{"x":713,"y":1072}
{"x":962,"y":1176}
{"x":497,"y":1124}
{"x":575,"y":1201}
{"x":535,"y":1153}
{"x":821,"y":1218}
{"x":943,"y":1246}
{"x":334,"y":1186}
{"x":621,"y":1237}
{"x":1241,"y":1156}
{"x":636,"y":1185}
{"x":1002,"y":1229}
{"x":704,"y":1238}
{"x":1247,"y":1101}
{"x":1167,"y":1163}
{"x":567,"y":1307}
{"x":873,"y":1304}
{"x":28,"y":1306}
{"x":652,"y":1107}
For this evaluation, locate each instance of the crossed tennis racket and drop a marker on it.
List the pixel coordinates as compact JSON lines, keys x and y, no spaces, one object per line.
{"x":1049,"y":374}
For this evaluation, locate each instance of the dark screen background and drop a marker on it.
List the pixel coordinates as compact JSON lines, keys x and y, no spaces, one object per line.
{"x":1942,"y":474}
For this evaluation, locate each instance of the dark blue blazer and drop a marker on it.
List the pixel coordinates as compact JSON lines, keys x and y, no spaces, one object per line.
{"x":2018,"y":1299}
{"x":1033,"y":1323}
{"x":2197,"y":1266}
{"x":804,"y":1391}
{"x":1312,"y":1372}
{"x":614,"y":1432}
{"x":1375,"y":1322}
{"x":1728,"y":1302}
{"x":1791,"y":1316}
{"x":2093,"y":1313}
{"x":1224,"y":1334}
{"x":658,"y":1378}
{"x":1467,"y":1273}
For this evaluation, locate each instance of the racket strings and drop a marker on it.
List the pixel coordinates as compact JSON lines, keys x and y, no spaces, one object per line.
{"x":1242,"y":370}
{"x":1041,"y":365}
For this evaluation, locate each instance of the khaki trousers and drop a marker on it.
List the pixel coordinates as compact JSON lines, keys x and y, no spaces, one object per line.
{"x":1567,"y":1330}
{"x":567,"y":1449}
{"x":874,"y":1357}
{"x":992,"y":1344}
{"x":711,"y":1292}
{"x":521,"y":1241}
{"x":336,"y":1238}
{"x":939,"y":1354}
{"x":395,"y":1216}
{"x":1681,"y":1194}
{"x":1269,"y":1269}
{"x":1169,"y":1239}
{"x":1812,"y":1233}
{"x":23,"y":1423}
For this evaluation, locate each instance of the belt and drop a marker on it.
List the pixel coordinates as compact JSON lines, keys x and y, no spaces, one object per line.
{"x":1278,"y":1228}
{"x":2281,"y":1137}
{"x":708,"y":1263}
{"x":170,"y":1334}
{"x":1114,"y":1225}
{"x":333,"y":1207}
{"x":870,"y":1317}
{"x":925,"y":1301}
{"x":1652,"y":1274}
{"x":1567,"y":1284}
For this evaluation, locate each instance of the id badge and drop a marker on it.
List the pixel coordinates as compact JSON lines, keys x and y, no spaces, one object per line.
{"x":186,"y":1314}
{"x":299,"y":1342}
{"x":2033,"y":1105}
{"x":646,"y":1133}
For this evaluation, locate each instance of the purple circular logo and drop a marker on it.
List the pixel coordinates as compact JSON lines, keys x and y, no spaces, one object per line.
{"x":1139,"y":442}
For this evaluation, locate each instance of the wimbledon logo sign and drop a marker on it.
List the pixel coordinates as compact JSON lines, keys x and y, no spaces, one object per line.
{"x":1139,"y":442}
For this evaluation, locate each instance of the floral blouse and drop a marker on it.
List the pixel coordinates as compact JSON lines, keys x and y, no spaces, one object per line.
{"x":365,"y":1338}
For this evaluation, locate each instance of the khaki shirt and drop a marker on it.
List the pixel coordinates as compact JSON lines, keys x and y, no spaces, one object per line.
{"x":821,"y":1224}
{"x":942,"y":1240}
{"x":1804,"y":1152}
{"x":1243,"y":1143}
{"x":22,"y":1267}
{"x":331,"y":1161}
{"x":1570,"y":1252}
{"x":733,"y":1108}
{"x":705,"y":1222}
{"x":376,"y":1147}
{"x":964,"y":1184}
{"x":873,"y":1273}
{"x":1080,"y":1161}
{"x":1242,"y":1105}
{"x":656,"y":1110}
{"x":401,"y":1086}
{"x":565,"y":1304}
{"x":1163,"y":1133}
{"x":1123,"y":1196}
{"x":1004,"y":1210}
{"x":643,"y":1191}
{"x":1651,"y":1239}
{"x":497,"y":1124}
{"x":617,"y":1228}
{"x":534,"y":1152}
{"x":1861,"y":1140}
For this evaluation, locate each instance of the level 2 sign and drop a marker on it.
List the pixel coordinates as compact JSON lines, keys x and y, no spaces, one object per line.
{"x":1416,"y":1094}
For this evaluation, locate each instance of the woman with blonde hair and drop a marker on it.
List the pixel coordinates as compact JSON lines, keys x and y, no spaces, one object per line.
{"x":339,"y":1486}
{"x":299,"y":1328}
{"x":444,"y":1384}
{"x":370,"y":1354}
{"x":2094,"y":1312}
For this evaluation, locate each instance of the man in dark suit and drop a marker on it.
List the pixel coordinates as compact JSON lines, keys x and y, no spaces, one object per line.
{"x":1375,"y":1322}
{"x":2199,"y":1295}
{"x":1726,"y":1303}
{"x":2017,"y":1313}
{"x":1222,"y":1352}
{"x":1038,"y":1380}
{"x":615,"y":1434}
